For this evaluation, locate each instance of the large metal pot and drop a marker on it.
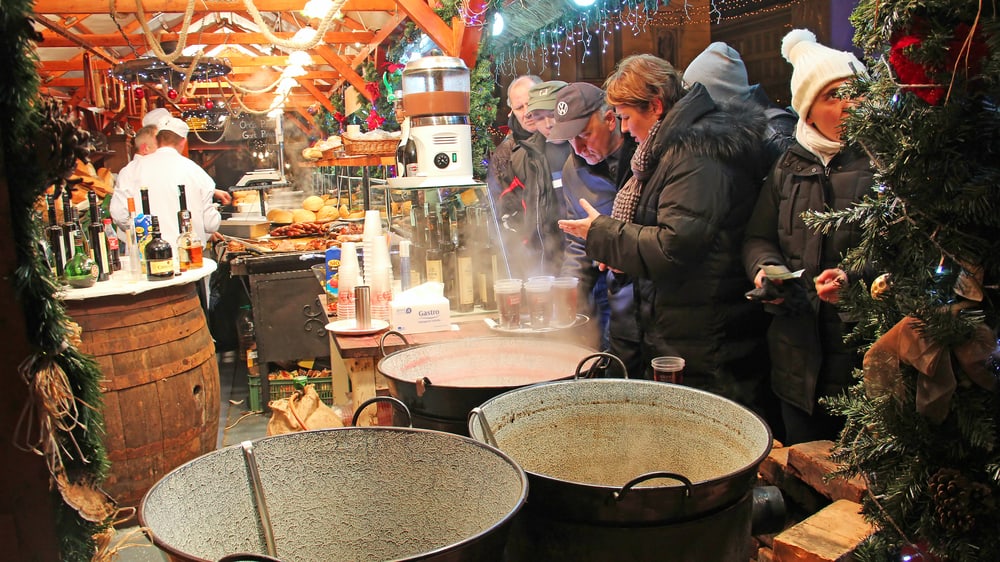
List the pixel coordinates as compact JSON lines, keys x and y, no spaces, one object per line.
{"x":446,"y":380}
{"x":626,"y":452}
{"x":369,"y":493}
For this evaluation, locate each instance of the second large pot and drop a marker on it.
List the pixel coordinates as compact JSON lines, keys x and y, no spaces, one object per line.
{"x":446,"y":380}
{"x":626,"y":452}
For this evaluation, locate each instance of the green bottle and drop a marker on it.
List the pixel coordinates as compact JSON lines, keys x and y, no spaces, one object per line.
{"x":81,"y":270}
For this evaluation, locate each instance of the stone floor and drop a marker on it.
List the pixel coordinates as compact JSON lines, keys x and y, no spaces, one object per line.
{"x":236,"y":424}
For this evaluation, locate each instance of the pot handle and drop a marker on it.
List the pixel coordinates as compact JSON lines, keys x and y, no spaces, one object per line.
{"x":620,"y":494}
{"x":381,"y":340}
{"x":477,"y":413}
{"x":601,"y":364}
{"x":392,"y":400}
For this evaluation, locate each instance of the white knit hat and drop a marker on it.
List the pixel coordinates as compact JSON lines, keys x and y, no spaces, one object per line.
{"x":721,"y":70}
{"x":815,"y":66}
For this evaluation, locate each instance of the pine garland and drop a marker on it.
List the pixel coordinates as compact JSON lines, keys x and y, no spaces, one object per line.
{"x":929,"y":121}
{"x":39,"y":149}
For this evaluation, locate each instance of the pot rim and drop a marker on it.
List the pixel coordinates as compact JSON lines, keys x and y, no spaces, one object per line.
{"x":751,"y":466}
{"x":505,"y":520}
{"x":467,"y":343}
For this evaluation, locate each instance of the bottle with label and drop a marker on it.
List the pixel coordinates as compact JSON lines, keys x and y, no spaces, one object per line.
{"x":98,"y":241}
{"x":418,"y":246}
{"x":135,"y":268}
{"x":67,"y":222}
{"x":464,"y":271}
{"x":57,"y":243}
{"x":114,"y":249}
{"x":449,"y":259}
{"x":432,"y":254}
{"x":189,"y":246}
{"x":142,"y":227}
{"x":159,"y":254}
{"x":81,"y":271}
{"x":404,"y":135}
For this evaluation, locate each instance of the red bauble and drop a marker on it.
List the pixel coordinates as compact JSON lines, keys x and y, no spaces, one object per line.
{"x":910,"y":72}
{"x":183,"y":101}
{"x":172,"y":94}
{"x":209,"y":104}
{"x":139,"y":93}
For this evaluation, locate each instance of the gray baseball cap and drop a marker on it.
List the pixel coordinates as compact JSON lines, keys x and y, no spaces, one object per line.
{"x":574,"y":105}
{"x":543,"y":95}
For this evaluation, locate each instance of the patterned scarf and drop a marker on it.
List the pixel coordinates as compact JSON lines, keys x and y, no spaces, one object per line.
{"x":643,"y":164}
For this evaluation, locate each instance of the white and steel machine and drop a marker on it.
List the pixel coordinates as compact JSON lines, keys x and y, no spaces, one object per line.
{"x":436,"y":145}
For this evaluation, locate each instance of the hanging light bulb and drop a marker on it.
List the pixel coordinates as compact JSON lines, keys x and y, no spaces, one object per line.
{"x":497,"y":24}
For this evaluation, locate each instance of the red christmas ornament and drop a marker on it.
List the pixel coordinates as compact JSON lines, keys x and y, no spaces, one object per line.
{"x":139,"y":93}
{"x":183,"y":101}
{"x":373,"y":90}
{"x":172,"y":94}
{"x":910,"y":72}
{"x":209,"y":104}
{"x":374,"y":121}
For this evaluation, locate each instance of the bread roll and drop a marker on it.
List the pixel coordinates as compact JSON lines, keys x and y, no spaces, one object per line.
{"x":280,"y":216}
{"x":327,"y":212}
{"x":312,"y":203}
{"x":303,"y":215}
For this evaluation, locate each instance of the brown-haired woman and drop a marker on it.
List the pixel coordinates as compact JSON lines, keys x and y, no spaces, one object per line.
{"x":676,"y":228}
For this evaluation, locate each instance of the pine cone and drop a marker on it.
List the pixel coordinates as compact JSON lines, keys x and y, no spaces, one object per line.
{"x":957,"y":500}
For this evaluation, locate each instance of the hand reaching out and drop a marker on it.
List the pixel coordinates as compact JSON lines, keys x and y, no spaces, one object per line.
{"x":829,"y":283}
{"x":579,"y":227}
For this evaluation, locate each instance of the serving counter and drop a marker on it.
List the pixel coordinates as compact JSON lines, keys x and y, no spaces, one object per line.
{"x":160,"y":376}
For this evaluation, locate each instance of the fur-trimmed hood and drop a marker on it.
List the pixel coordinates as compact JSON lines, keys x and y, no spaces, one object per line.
{"x":698,"y":124}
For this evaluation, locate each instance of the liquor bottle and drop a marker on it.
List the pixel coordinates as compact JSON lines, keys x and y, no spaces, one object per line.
{"x":489,"y":264}
{"x":189,"y":248}
{"x":405,"y":270}
{"x":404,"y":135}
{"x":81,"y":271}
{"x":159,"y":254}
{"x":114,"y":246}
{"x":412,"y":162}
{"x":418,"y":247}
{"x":98,"y":241}
{"x":432,"y":254}
{"x":464,"y":272}
{"x":57,"y":243}
{"x":67,"y":223}
{"x":75,"y":226}
{"x":449,"y":259}
{"x":135,"y":267}
{"x":142,"y":226}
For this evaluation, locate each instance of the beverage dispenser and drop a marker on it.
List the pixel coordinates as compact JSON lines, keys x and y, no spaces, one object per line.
{"x":436,"y":147}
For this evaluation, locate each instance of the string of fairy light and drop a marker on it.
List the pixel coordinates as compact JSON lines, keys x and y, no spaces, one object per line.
{"x":578,"y":35}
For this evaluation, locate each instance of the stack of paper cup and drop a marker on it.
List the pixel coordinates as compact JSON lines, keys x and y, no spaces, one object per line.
{"x":348,"y":276}
{"x":378,"y":275}
{"x":371,"y":235}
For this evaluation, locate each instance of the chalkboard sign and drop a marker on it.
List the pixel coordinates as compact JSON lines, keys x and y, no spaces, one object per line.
{"x":247,"y":127}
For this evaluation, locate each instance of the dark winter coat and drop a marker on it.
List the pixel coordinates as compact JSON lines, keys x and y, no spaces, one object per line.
{"x":530,"y":209}
{"x":683,"y":247}
{"x":801,"y":339}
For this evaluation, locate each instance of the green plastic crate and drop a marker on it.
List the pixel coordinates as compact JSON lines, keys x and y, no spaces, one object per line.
{"x":283,"y":388}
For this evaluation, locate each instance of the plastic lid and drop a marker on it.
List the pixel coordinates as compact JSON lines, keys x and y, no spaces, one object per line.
{"x":435,"y":63}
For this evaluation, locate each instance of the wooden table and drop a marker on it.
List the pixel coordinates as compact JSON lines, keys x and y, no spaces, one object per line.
{"x":361,"y":354}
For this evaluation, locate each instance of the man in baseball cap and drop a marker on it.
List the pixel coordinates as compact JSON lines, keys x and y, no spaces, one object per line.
{"x":597,"y":170}
{"x":541,"y":102}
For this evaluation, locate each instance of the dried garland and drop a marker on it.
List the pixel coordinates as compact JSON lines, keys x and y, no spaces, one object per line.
{"x":62,"y":420}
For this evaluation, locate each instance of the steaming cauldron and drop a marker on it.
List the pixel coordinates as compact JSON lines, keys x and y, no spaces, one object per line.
{"x":355,"y":493}
{"x":628,"y":469}
{"x":441,"y":382}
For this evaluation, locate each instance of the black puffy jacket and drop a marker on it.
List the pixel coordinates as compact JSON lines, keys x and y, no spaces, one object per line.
{"x":778,"y":235}
{"x":683,"y":247}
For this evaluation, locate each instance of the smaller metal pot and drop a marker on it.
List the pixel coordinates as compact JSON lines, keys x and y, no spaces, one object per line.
{"x":446,"y":380}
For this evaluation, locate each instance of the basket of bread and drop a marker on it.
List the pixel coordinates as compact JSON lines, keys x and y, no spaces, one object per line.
{"x":372,"y":143}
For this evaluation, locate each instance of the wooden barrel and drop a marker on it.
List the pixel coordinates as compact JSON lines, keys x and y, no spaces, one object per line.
{"x":161,"y":383}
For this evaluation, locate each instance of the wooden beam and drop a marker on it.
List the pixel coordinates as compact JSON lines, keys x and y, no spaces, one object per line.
{"x":320,"y":96}
{"x":432,"y":25}
{"x":341,"y":66}
{"x":178,"y":6}
{"x":54,"y":39}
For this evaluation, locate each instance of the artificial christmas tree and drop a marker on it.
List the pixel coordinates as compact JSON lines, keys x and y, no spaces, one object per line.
{"x":922,"y":423}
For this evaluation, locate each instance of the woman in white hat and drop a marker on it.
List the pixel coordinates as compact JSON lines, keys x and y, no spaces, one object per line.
{"x":809,"y":358}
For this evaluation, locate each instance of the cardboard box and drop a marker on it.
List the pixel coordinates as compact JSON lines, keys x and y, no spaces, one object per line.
{"x":245,"y":227}
{"x":415,"y":317}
